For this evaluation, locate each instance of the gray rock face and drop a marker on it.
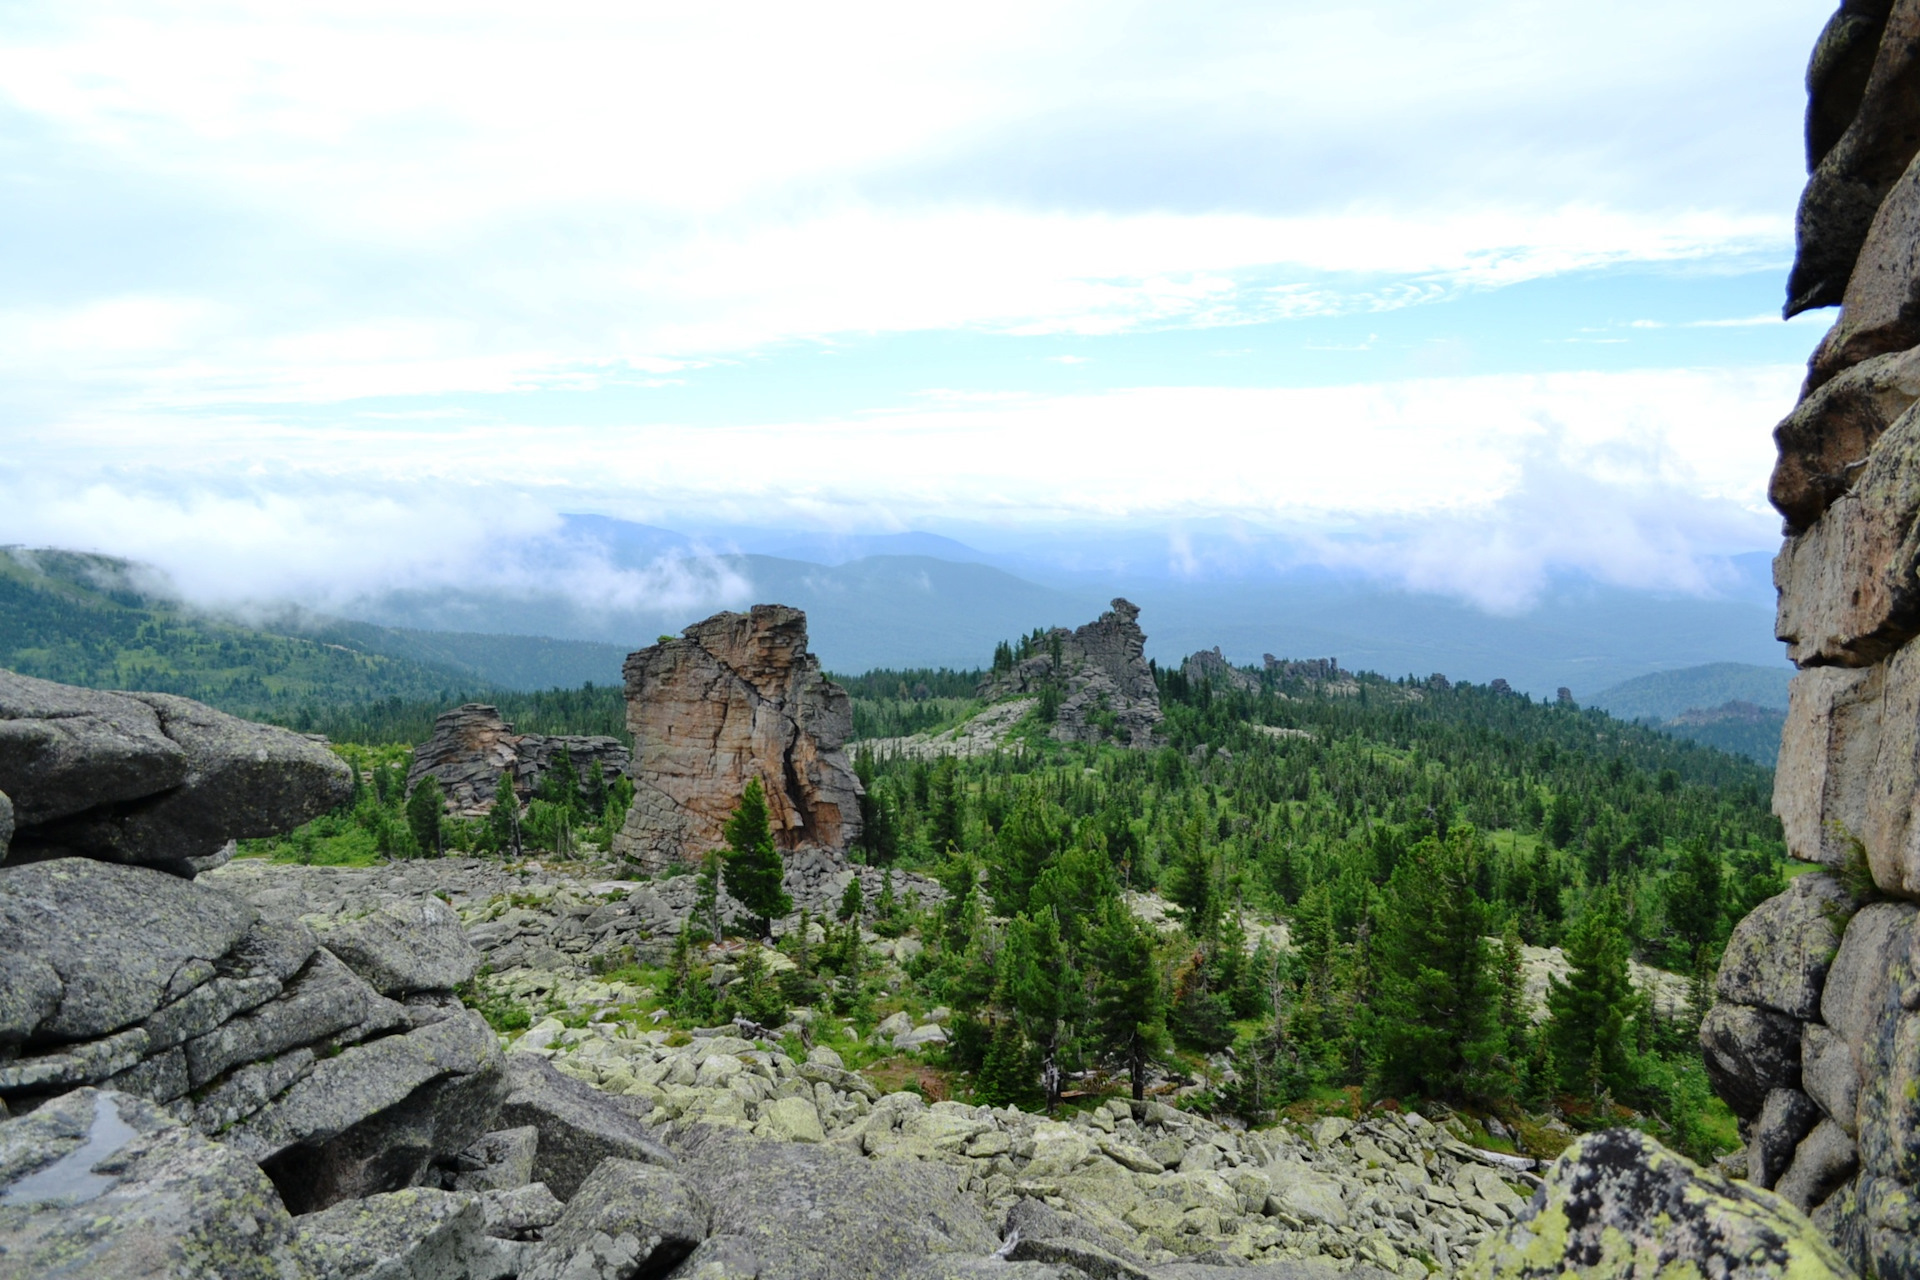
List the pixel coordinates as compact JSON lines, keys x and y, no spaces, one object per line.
{"x":730,"y":699}
{"x":149,"y":778}
{"x":1778,"y":956}
{"x":1786,"y":1118}
{"x":6,"y":824}
{"x":342,"y":1130}
{"x":1619,"y":1203}
{"x":1830,"y":1073}
{"x":499,"y":1161}
{"x":1830,"y":433}
{"x":87,"y":949}
{"x":416,"y":1234}
{"x":471,"y":746}
{"x":578,"y":1125}
{"x":97,"y":1183}
{"x":812,"y":1212}
{"x":1749,"y":1052}
{"x":627,"y":1219}
{"x":1100,"y":670}
{"x":1849,"y":596}
{"x":1825,"y":1159}
{"x":1856,"y":149}
{"x":411,"y":945}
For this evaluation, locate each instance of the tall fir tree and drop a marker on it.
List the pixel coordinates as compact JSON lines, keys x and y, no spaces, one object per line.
{"x":1041,"y":987}
{"x":426,"y":816}
{"x":1595,"y":1010}
{"x":503,"y":820}
{"x":1434,"y":1022}
{"x":754,"y":870}
{"x":1129,"y":1015}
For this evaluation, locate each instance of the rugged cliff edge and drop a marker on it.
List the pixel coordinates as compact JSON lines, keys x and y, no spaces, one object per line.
{"x":1813,"y":1039}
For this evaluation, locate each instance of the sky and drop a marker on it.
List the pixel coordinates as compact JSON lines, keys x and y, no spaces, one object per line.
{"x":308,"y":300}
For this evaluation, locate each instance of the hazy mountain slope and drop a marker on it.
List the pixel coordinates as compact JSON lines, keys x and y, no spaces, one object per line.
{"x":94,"y":621}
{"x":1665,"y":694}
{"x":1583,"y":638}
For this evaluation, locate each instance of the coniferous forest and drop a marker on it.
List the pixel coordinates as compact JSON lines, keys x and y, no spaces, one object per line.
{"x":1311,"y":895}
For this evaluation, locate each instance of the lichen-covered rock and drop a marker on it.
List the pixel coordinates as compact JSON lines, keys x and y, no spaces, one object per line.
{"x":415,"y":1234}
{"x":730,"y":699}
{"x":1749,"y":1052}
{"x":1778,"y":955}
{"x":1619,"y":1204}
{"x":87,"y":948}
{"x":150,"y":778}
{"x":1830,"y":1073}
{"x":97,"y":1184}
{"x":498,"y":1161}
{"x":812,"y":1212}
{"x":1788,"y":1116}
{"x":342,"y":1130}
{"x":405,"y":946}
{"x":578,"y":1125}
{"x":627,"y":1219}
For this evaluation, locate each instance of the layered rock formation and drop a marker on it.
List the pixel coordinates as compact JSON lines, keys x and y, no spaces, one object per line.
{"x":471,"y":746}
{"x":733,"y":698}
{"x":1812,"y":1039}
{"x":1100,"y":674}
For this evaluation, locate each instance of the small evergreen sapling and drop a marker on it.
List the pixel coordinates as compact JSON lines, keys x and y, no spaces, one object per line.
{"x":753,"y":869}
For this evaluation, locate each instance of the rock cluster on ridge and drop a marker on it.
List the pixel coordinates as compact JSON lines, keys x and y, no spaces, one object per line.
{"x":730,"y":699}
{"x":1100,"y":673}
{"x":471,"y":746}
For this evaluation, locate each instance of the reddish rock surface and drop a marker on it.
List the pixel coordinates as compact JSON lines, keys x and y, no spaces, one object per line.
{"x":732,"y":698}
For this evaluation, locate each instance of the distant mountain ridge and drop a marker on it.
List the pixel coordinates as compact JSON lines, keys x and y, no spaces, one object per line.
{"x":1664,"y":695}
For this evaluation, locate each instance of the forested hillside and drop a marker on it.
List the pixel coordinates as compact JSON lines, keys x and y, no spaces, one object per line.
{"x":104,"y":623}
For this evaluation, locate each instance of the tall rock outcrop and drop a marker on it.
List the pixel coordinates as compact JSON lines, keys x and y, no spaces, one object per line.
{"x":1100,"y":676}
{"x":1815,"y":1038}
{"x":733,"y":698}
{"x":471,"y":746}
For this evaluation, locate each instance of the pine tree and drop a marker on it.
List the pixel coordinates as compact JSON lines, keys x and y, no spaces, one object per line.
{"x":945,"y":808}
{"x":561,"y":784}
{"x":1595,"y":1010}
{"x":754,"y":870}
{"x":852,"y":902}
{"x":706,"y":898}
{"x":1434,"y":1020}
{"x":593,"y":790}
{"x":1129,"y":1017}
{"x":1695,"y":894}
{"x":1006,"y":1076}
{"x":503,"y":820}
{"x":1040,"y":986}
{"x":426,"y":810}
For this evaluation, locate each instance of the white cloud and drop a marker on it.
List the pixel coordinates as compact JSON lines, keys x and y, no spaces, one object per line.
{"x":1480,"y":487}
{"x":411,"y":198}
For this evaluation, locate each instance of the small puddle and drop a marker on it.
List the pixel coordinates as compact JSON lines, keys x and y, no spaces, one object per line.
{"x":71,"y":1179}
